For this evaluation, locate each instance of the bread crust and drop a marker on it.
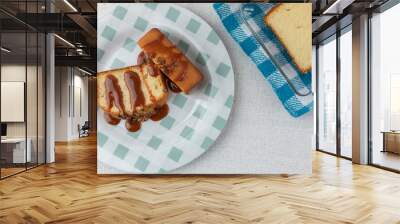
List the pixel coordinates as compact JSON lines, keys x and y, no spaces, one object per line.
{"x":267,"y":22}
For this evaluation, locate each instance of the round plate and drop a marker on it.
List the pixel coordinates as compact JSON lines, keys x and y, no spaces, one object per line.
{"x":195,"y":120}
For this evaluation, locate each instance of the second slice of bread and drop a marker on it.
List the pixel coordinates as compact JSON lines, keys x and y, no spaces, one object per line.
{"x":291,"y":23}
{"x":170,"y":60}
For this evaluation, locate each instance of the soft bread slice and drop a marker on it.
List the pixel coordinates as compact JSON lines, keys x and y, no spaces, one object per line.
{"x":291,"y":23}
{"x":170,"y":60}
{"x":153,"y":87}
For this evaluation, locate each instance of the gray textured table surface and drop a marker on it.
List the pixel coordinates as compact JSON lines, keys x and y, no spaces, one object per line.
{"x":260,"y":137}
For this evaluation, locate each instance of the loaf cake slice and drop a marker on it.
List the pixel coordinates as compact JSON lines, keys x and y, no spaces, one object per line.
{"x":291,"y":23}
{"x":133,"y":92}
{"x":170,"y":60}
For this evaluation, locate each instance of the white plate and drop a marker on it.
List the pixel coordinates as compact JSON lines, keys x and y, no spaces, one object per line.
{"x":196,"y":120}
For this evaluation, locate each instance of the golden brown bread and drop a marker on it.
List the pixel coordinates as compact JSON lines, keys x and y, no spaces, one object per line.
{"x":291,"y":23}
{"x":133,"y":92}
{"x":170,"y":60}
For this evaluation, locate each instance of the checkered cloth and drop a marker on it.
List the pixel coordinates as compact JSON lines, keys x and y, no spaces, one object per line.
{"x":232,"y":19}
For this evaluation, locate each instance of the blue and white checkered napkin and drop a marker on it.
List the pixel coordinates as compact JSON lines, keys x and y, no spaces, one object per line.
{"x":232,"y":19}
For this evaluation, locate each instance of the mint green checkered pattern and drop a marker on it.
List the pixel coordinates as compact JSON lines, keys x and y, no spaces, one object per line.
{"x":183,"y":46}
{"x":173,"y":14}
{"x":200,"y":59}
{"x":120,"y":12}
{"x":193,"y":25}
{"x":195,"y":120}
{"x":129,"y":44}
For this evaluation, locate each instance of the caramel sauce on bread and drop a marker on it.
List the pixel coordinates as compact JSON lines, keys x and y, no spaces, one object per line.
{"x":160,"y":113}
{"x":113,"y":94}
{"x":133,"y":82}
{"x":143,"y":58}
{"x":132,"y":125}
{"x":171,"y":86}
{"x":138,"y":93}
{"x":111,"y":119}
{"x":134,"y":93}
{"x":170,"y":60}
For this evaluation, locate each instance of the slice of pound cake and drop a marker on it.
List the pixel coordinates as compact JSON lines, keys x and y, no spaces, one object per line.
{"x":291,"y":23}
{"x":134,"y":93}
{"x":170,"y":60}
